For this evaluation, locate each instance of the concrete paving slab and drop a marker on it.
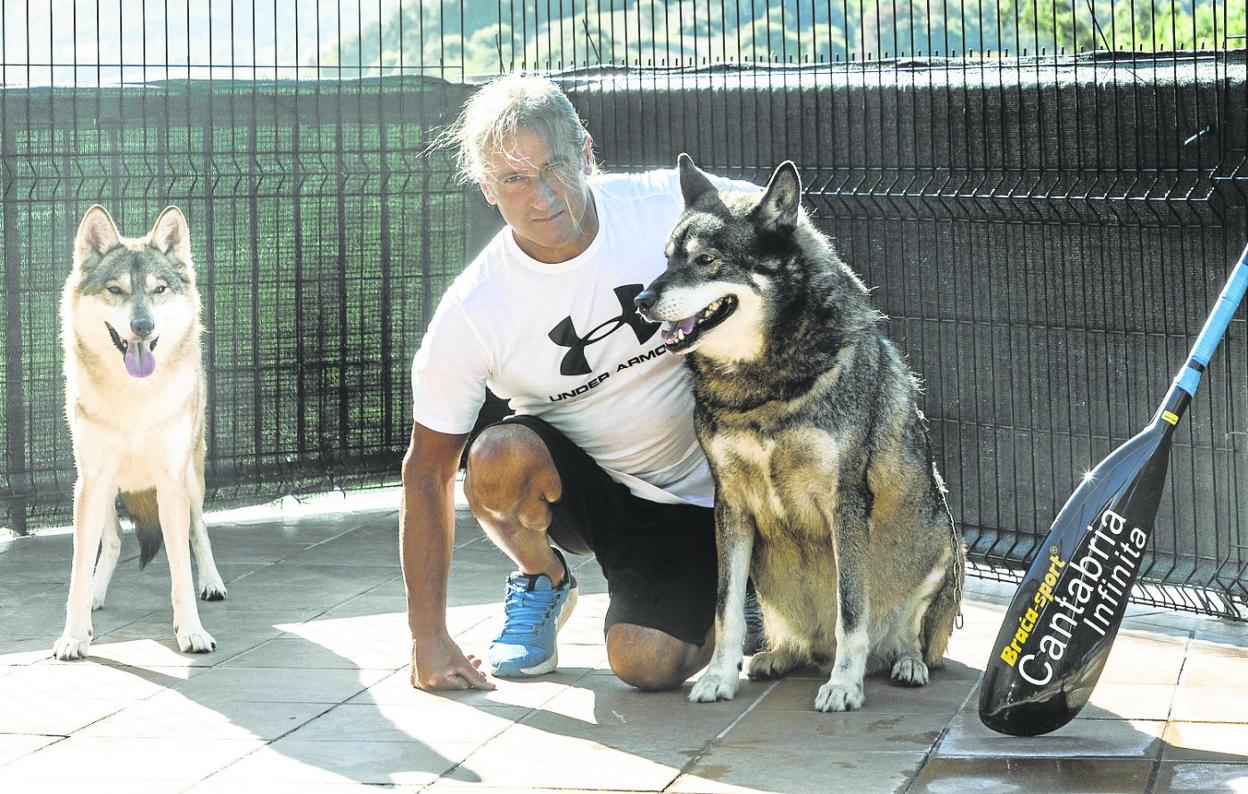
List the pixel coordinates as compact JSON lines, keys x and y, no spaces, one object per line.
{"x":229,"y":622}
{"x":445,"y":786}
{"x":292,"y":586}
{"x":376,"y":651}
{"x":525,"y":693}
{"x":605,"y":710}
{"x":44,"y":616}
{"x":1014,"y":774}
{"x":1206,"y":741}
{"x":16,"y":745}
{"x":31,"y":589}
{"x":212,"y":786}
{"x":775,"y":766}
{"x":20,"y":651}
{"x":38,"y":714}
{"x":173,"y":714}
{"x":430,"y":722}
{"x":1218,"y":666}
{"x":1145,"y":659}
{"x":844,"y":732}
{"x":101,"y":757}
{"x":163,"y":651}
{"x":1199,"y":703}
{"x":347,"y":761}
{"x":1130,"y":701}
{"x":524,"y":758}
{"x":945,"y":692}
{"x":1083,"y":738}
{"x":278,"y":685}
{"x":374,"y":604}
{"x":88,"y":678}
{"x":310,"y":690}
{"x":1187,"y":776}
{"x":95,"y":785}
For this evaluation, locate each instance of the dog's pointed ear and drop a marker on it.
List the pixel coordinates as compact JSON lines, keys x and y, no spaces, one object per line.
{"x":778,"y":208}
{"x":96,"y":234}
{"x":693,"y":183}
{"x":171,"y":235}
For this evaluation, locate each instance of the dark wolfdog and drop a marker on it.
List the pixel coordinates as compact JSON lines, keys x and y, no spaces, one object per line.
{"x":825,"y":487}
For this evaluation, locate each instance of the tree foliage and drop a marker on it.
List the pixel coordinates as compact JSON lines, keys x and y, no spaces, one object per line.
{"x":455,"y":40}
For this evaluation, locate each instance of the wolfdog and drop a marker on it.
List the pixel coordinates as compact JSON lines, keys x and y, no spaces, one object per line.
{"x":137,"y":427}
{"x":826,"y":491}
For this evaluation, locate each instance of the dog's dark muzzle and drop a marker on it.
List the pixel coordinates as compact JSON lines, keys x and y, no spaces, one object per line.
{"x":644,"y":302}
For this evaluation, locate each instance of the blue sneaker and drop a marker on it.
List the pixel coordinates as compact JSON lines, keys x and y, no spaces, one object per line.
{"x":533,"y":614}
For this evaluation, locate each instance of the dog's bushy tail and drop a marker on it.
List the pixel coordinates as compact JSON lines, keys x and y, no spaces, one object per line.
{"x":942,"y":613}
{"x":141,"y":505}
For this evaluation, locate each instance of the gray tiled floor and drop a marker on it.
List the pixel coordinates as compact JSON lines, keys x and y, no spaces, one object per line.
{"x":308,"y":691}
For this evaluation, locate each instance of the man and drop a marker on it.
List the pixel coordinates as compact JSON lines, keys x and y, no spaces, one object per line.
{"x":601,"y":455}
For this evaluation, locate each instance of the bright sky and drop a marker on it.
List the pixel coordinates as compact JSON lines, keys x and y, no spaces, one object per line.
{"x":111,"y":40}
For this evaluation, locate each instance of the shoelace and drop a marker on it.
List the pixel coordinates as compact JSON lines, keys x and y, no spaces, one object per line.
{"x":525,"y":612}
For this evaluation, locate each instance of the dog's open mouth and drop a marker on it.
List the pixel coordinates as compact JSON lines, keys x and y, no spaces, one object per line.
{"x":138,"y":355}
{"x":681,"y":334}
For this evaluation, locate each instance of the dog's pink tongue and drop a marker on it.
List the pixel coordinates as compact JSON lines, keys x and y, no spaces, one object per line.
{"x":140,"y":360}
{"x":669,"y":328}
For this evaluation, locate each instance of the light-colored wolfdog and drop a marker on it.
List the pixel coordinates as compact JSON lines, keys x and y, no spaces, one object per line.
{"x":825,"y":488}
{"x":138,"y":428}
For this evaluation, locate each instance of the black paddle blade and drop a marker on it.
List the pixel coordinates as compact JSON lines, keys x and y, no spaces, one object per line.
{"x":1059,"y":628}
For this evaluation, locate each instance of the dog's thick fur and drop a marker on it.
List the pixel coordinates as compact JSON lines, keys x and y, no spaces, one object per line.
{"x":137,"y":428}
{"x":826,"y":491}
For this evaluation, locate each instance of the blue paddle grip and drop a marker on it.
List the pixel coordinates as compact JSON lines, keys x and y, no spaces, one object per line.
{"x":1216,"y":325}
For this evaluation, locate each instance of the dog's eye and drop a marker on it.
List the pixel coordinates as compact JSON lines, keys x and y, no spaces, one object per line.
{"x":160,"y":288}
{"x":704,"y":259}
{"x":114,"y":290}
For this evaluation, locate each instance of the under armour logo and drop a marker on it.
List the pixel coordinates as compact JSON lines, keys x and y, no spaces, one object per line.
{"x":564,"y":334}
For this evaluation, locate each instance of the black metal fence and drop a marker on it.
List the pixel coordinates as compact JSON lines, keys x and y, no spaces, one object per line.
{"x":1047,"y":196}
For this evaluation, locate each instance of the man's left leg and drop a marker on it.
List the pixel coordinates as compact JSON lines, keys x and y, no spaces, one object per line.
{"x":661,"y":574}
{"x":653,"y":660}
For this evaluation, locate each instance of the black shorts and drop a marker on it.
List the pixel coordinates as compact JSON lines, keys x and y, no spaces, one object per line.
{"x":659,"y":559}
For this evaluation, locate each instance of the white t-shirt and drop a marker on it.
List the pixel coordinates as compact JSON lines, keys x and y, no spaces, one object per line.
{"x":563,"y":342}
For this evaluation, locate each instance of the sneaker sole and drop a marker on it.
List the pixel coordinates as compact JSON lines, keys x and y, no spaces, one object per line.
{"x":550,"y":664}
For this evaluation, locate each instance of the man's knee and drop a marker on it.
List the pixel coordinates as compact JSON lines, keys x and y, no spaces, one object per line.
{"x":650,"y":659}
{"x":511,"y":475}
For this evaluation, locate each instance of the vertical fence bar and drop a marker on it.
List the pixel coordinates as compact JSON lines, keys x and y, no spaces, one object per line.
{"x":922,"y":210}
{"x":18,"y":473}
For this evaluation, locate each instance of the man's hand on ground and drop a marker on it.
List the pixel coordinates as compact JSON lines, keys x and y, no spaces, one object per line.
{"x":440,"y":664}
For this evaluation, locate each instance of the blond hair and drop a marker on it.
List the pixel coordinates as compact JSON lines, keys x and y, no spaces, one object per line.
{"x":493,"y":115}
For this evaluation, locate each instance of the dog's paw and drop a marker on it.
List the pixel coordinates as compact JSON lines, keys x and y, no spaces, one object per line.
{"x":196,"y":641}
{"x":212,"y":591}
{"x":68,"y":648}
{"x":97,"y":601}
{"x":714,"y":686}
{"x":769,"y":664}
{"x":909,"y":671}
{"x":839,"y":697}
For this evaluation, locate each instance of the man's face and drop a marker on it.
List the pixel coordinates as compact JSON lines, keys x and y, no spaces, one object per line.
{"x":544,"y":199}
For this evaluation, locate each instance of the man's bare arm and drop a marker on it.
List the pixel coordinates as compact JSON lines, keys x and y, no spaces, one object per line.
{"x":426,"y":538}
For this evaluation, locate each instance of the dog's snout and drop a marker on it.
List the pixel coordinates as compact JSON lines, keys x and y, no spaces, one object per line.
{"x":142,"y":326}
{"x":645,"y":300}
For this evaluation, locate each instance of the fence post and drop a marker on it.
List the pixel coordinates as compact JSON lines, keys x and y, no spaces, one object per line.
{"x":14,"y":410}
